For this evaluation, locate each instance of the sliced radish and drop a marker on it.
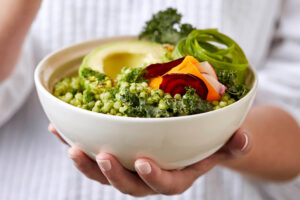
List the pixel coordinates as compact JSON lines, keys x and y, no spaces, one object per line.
{"x":205,"y":67}
{"x":219,"y":87}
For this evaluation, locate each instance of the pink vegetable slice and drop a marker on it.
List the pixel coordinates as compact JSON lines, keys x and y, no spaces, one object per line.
{"x":177,"y":83}
{"x":206,"y":68}
{"x":219,"y":87}
{"x":160,"y":69}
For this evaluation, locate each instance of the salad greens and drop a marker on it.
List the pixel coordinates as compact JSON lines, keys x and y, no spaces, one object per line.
{"x":134,"y":93}
{"x":165,"y":27}
{"x":87,"y":73}
{"x":207,"y":45}
{"x":132,"y":75}
{"x":127,"y":97}
{"x":235,"y":89}
{"x":223,"y":53}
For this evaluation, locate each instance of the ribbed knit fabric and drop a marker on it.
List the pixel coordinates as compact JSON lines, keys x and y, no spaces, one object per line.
{"x":34,"y":164}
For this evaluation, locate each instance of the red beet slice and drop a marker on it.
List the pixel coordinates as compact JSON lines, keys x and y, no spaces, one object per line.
{"x":159,"y":69}
{"x":177,"y":83}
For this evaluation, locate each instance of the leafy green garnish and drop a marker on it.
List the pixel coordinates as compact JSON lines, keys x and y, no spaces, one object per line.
{"x":88,"y":96}
{"x":235,"y":89}
{"x":222,"y":52}
{"x":138,"y":107}
{"x":131,"y":75}
{"x":194,"y":104}
{"x":189,"y":104}
{"x":131,"y":99}
{"x":165,"y":27}
{"x":87,"y":73}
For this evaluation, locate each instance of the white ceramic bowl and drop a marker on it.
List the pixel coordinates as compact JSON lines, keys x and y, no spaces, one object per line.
{"x":173,"y":142}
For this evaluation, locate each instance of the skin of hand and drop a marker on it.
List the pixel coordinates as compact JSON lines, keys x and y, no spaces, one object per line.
{"x":268,"y":138}
{"x":276,"y":146}
{"x":150,"y":178}
{"x":16,"y":17}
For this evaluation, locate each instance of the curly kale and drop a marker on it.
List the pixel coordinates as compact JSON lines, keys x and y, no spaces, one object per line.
{"x":132,"y":75}
{"x":228,"y":78}
{"x":165,"y":27}
{"x":87,"y":73}
{"x":138,"y":107}
{"x":88,"y":97}
{"x":185,"y":29}
{"x":189,"y":104}
{"x":193,"y":104}
{"x":131,"y":99}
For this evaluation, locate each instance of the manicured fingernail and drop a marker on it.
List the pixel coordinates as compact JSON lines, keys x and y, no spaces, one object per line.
{"x":143,"y":167}
{"x":104,"y":165}
{"x":50,"y":128}
{"x":246,"y":141}
{"x":71,"y":152}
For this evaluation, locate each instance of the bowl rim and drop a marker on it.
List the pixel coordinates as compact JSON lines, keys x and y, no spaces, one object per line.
{"x":51,"y":97}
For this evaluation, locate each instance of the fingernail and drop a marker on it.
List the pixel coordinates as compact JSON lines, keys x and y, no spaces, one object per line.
{"x":71,"y":152}
{"x":246,"y":141}
{"x":104,"y":165}
{"x":50,"y":127}
{"x":143,"y":167}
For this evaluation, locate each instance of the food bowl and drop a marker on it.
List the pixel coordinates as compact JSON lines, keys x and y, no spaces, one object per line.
{"x":173,"y":142}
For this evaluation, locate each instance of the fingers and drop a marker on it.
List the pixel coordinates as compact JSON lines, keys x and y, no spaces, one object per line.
{"x":54,"y":131}
{"x":238,"y":145}
{"x":87,"y":166}
{"x":175,"y":182}
{"x":171,"y":182}
{"x":125,"y":181}
{"x":151,"y":178}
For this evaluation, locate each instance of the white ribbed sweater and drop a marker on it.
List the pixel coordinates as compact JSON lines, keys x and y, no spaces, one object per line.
{"x":34,"y":165}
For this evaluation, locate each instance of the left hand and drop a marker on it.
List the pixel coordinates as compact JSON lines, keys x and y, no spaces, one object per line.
{"x":150,"y":178}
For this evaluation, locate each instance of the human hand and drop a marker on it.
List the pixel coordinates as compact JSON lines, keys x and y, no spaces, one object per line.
{"x":150,"y":178}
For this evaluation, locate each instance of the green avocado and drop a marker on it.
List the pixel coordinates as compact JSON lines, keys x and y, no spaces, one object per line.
{"x":112,"y":57}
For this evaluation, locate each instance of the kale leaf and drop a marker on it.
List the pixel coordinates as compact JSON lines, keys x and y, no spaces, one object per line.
{"x":88,"y":97}
{"x":193,"y":104}
{"x":87,"y":72}
{"x":132,"y":75}
{"x":129,"y":98}
{"x":165,"y":27}
{"x":228,"y":78}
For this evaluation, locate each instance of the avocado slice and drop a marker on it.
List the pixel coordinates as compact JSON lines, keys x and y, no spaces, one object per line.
{"x":112,"y":57}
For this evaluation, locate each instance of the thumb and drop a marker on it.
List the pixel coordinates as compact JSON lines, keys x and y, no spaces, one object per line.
{"x":238,"y":145}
